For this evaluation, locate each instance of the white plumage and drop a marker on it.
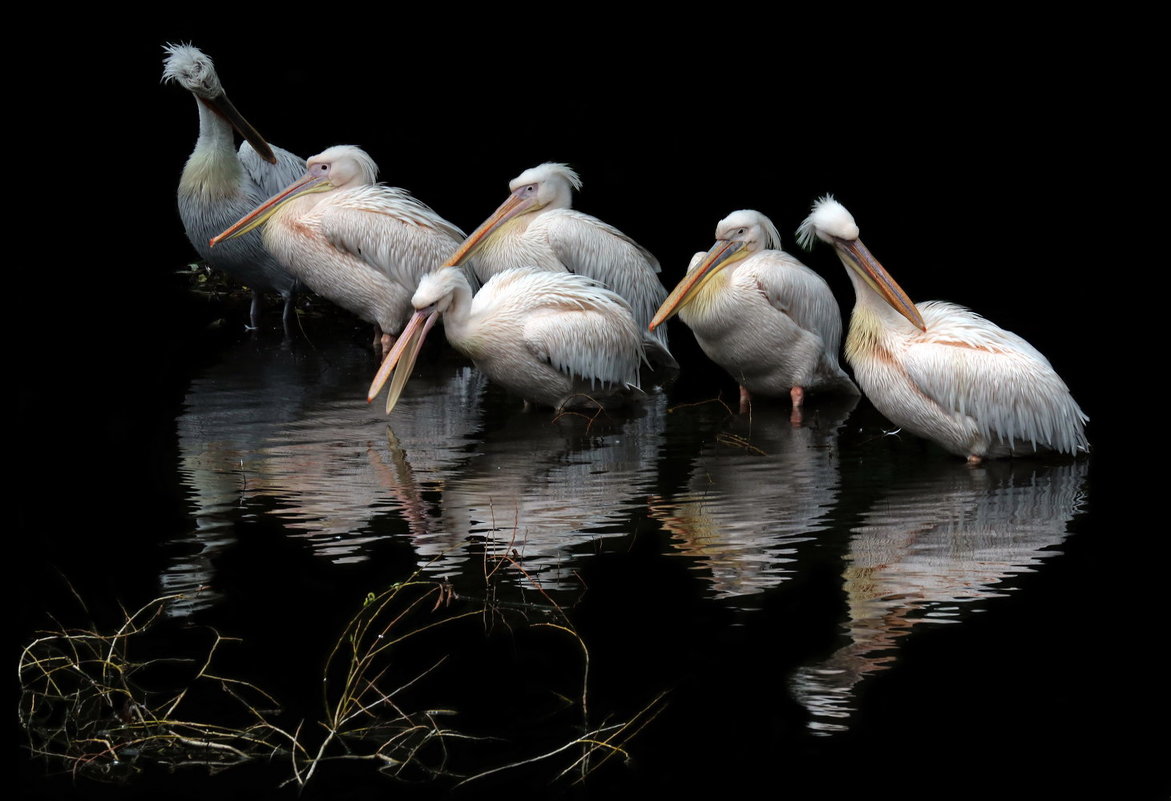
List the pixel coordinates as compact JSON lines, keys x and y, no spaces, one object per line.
{"x":942,"y":371}
{"x":555,"y":339}
{"x":220,"y":183}
{"x":761,"y":314}
{"x":536,"y":227}
{"x":361,"y":245}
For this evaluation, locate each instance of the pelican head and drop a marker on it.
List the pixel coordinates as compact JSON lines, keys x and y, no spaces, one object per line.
{"x":756,"y":231}
{"x":192,"y":69}
{"x":830,"y":222}
{"x":436,"y":292}
{"x":342,"y":167}
{"x":339,"y":167}
{"x":546,"y":186}
{"x":738,"y":235}
{"x":549,"y":185}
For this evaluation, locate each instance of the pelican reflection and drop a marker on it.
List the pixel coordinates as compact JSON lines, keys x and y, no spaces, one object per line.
{"x":538,"y":488}
{"x":286,"y":433}
{"x":758,"y":489}
{"x":930,"y":551}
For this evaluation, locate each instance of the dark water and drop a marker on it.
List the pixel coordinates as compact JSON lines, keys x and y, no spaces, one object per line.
{"x":828,"y":605}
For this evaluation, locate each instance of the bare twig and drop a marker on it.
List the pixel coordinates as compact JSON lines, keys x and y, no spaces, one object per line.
{"x":85,"y":703}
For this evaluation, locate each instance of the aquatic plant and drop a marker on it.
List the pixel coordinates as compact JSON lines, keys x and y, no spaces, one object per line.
{"x":97,"y":703}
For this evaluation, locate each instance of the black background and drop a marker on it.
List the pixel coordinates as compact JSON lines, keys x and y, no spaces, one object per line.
{"x":983,"y":161}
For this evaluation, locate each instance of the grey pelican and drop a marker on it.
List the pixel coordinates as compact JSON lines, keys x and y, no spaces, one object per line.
{"x":220,"y":183}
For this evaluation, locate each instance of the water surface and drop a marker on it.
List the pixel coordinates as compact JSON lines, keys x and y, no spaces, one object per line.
{"x":758,"y":571}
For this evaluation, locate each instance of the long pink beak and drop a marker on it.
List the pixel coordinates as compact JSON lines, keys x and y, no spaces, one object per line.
{"x":514,"y":205}
{"x":257,"y":217}
{"x":405,"y":350}
{"x":858,"y":257}
{"x":722,"y":252}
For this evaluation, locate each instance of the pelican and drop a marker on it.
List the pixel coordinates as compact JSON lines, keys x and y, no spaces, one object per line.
{"x":219,"y":183}
{"x":359,"y":244}
{"x":762,"y":315}
{"x":941,"y":371}
{"x":556,"y":339}
{"x":537,"y":227}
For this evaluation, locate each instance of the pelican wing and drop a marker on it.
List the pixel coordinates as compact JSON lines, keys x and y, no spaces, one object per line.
{"x":271,"y":178}
{"x":391,"y":231}
{"x":587,"y":246}
{"x":794,"y":289}
{"x":588,"y":333}
{"x":975,"y":368}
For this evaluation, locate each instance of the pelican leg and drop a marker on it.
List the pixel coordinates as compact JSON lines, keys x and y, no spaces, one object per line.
{"x":745,"y":401}
{"x":254,"y":311}
{"x":287,"y":312}
{"x":797,"y":394}
{"x":383,"y":342}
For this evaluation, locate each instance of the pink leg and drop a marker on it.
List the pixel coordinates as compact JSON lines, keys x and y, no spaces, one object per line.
{"x":383,"y":342}
{"x":798,"y":396}
{"x":745,"y":401}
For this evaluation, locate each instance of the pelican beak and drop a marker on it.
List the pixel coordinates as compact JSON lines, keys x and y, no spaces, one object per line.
{"x":259,"y":215}
{"x":405,"y":350}
{"x":721,"y":254}
{"x":224,"y":108}
{"x":514,"y":205}
{"x":858,"y":258}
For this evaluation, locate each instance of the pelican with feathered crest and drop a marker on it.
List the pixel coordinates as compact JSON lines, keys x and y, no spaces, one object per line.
{"x":941,"y":371}
{"x":219,"y":183}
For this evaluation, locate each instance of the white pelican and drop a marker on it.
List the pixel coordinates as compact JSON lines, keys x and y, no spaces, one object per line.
{"x":941,"y":371}
{"x":359,"y":244}
{"x":536,"y":227}
{"x":556,"y":339}
{"x":219,"y":184}
{"x":763,"y":316}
